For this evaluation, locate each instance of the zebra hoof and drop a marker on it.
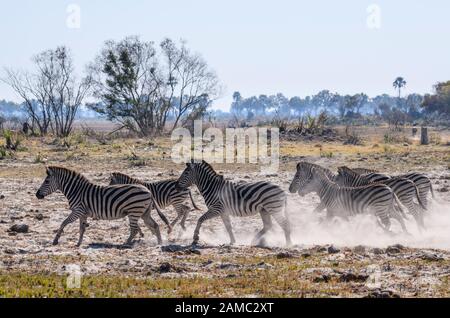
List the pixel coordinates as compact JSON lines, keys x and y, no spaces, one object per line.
{"x":55,"y":242}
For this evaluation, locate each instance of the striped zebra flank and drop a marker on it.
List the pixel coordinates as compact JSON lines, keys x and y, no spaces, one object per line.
{"x":377,"y":199}
{"x":88,"y":200}
{"x":164,"y":194}
{"x":405,"y":189}
{"x":224,"y":198}
{"x":423,"y":184}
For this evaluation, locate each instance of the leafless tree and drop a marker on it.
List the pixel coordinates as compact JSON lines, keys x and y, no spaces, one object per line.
{"x":189,"y":79}
{"x":51,"y":94}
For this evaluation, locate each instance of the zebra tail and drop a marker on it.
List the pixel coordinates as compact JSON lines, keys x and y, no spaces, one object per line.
{"x":418,"y":199}
{"x":398,"y":206}
{"x":432,"y":191}
{"x":192,"y":200}
{"x":162,"y":216}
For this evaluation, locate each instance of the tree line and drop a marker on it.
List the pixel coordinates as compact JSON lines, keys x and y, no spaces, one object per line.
{"x":149,"y":88}
{"x":348,"y":108}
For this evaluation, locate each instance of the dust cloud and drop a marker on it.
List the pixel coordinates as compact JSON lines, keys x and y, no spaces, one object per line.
{"x":309,"y":229}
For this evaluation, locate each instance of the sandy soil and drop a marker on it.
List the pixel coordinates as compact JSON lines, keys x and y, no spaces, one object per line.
{"x":350,"y":258}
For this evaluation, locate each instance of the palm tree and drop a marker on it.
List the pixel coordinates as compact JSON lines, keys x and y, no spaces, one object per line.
{"x":399,"y":83}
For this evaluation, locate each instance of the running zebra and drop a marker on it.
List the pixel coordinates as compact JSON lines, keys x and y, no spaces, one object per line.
{"x":378,"y":199}
{"x":164,"y":193}
{"x":99,"y":202}
{"x":224,"y":198}
{"x":421,"y":181}
{"x":405,"y":189}
{"x":423,"y":184}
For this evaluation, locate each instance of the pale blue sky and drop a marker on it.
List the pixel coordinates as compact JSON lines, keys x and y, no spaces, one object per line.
{"x":255,"y":46}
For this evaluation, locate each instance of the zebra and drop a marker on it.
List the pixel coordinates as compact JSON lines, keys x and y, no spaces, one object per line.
{"x":378,"y":199}
{"x":423,"y":184}
{"x":99,"y":202}
{"x":421,"y":181}
{"x":164,"y":194}
{"x":224,"y":198}
{"x":405,"y":189}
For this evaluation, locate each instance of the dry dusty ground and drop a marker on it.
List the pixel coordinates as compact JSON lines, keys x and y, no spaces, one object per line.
{"x":353,"y":259}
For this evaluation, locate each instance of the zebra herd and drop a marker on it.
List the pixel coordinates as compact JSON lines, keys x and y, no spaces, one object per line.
{"x":350,"y":192}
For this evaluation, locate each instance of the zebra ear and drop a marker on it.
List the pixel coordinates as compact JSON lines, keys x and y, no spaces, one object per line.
{"x":299,"y":165}
{"x":192,"y":160}
{"x":49,"y":171}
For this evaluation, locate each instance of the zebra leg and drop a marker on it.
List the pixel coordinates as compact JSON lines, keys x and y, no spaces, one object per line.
{"x":267,"y":225}
{"x":383,"y":219}
{"x":423,"y":197}
{"x":70,"y":219}
{"x":187,"y":209}
{"x":226,"y":220}
{"x":417,"y":213}
{"x":83,"y":226}
{"x":153,"y":226}
{"x":211,"y":213}
{"x":141,"y":234}
{"x":285,"y":225}
{"x":181,"y":212}
{"x":320,"y":207}
{"x":133,"y":219}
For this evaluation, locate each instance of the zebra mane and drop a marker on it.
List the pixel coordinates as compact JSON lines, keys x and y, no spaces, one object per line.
{"x":61,"y":170}
{"x":326,"y":171}
{"x":127,"y":177}
{"x":208,"y":167}
{"x":347,"y":170}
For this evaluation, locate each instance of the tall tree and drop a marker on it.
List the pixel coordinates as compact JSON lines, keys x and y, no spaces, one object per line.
{"x":140,"y":86}
{"x":189,"y":80}
{"x":439,"y":102}
{"x":399,"y":83}
{"x":52,"y":94}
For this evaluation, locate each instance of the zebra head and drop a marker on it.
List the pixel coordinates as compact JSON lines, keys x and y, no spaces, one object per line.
{"x":50,"y":184}
{"x":302,"y":177}
{"x":345,"y":176}
{"x":187,"y":178}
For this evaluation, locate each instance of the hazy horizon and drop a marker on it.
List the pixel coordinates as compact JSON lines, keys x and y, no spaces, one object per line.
{"x":258,"y":47}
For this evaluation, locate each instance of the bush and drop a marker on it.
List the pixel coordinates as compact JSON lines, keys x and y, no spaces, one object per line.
{"x":351,"y":137}
{"x":12,"y":140}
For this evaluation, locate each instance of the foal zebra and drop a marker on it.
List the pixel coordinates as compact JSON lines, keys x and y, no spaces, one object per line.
{"x":224,"y":198}
{"x":378,"y":199}
{"x":164,"y":193}
{"x":99,"y":202}
{"x":405,"y":189}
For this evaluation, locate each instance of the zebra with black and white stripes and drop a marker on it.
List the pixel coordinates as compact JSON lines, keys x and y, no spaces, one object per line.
{"x":99,"y":202}
{"x":423,"y":184}
{"x":405,"y":189}
{"x":421,"y":181}
{"x":378,"y":199}
{"x":224,"y":198}
{"x":164,"y":193}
